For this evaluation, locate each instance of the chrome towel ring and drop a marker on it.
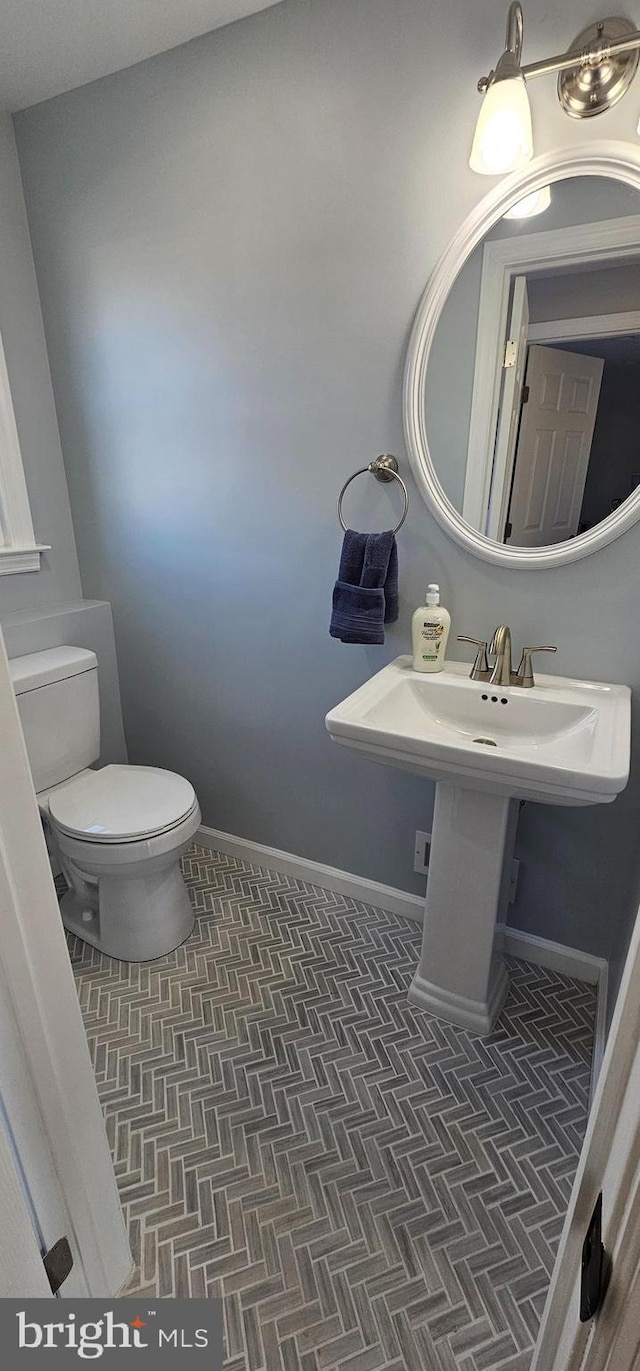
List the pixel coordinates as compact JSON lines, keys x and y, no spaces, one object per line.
{"x":384,"y":468}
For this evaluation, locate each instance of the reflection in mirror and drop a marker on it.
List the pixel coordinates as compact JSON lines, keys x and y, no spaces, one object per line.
{"x":532,"y":396}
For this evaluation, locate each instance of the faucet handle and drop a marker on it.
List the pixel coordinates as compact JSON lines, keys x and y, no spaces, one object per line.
{"x":480,"y":670}
{"x":524,"y":674}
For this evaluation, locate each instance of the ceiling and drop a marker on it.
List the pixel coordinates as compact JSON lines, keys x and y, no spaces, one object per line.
{"x":49,"y":46}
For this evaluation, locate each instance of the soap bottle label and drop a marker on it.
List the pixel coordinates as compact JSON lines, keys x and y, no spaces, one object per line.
{"x":432,"y":641}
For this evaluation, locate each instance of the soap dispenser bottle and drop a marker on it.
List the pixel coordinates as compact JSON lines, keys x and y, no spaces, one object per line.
{"x":430,"y":632}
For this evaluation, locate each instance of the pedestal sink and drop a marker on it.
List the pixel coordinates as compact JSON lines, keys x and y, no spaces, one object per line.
{"x":563,"y":742}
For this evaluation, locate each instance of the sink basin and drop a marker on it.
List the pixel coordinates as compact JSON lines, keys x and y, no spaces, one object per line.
{"x":562,"y":742}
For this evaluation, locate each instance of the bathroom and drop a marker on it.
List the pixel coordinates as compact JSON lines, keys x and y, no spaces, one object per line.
{"x":216,"y":237}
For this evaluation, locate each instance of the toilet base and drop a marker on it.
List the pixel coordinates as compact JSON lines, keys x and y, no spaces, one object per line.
{"x":132,"y":918}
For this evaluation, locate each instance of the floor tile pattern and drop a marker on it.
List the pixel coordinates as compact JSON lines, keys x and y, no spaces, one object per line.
{"x":365,"y":1186}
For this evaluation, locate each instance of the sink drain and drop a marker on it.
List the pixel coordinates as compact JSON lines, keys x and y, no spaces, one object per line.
{"x":486,"y":742}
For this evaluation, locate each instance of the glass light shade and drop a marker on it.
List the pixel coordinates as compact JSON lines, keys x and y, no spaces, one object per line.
{"x":536,"y":203}
{"x":503,"y":139}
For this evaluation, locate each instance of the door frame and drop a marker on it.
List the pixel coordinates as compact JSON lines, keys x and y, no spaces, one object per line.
{"x":609,"y":1161}
{"x":608,"y":240}
{"x":22,"y":1273}
{"x":22,"y":1127}
{"x":491,"y":515}
{"x":39,"y":995}
{"x":587,"y":326}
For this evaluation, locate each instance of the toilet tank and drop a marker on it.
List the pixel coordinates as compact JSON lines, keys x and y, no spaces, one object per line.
{"x":58,"y":704}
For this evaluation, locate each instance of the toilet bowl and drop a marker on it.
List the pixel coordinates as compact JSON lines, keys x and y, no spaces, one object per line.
{"x":116,"y":832}
{"x":126,"y":892}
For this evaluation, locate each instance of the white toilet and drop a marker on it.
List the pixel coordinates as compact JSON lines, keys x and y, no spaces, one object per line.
{"x":118,"y":832}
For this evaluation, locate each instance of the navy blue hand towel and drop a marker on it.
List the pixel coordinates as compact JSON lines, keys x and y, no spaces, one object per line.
{"x":365,"y":596}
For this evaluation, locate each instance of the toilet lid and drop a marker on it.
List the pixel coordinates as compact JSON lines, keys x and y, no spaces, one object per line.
{"x":120,"y":803}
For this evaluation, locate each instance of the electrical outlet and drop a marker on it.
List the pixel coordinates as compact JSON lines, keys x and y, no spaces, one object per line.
{"x":421,"y":853}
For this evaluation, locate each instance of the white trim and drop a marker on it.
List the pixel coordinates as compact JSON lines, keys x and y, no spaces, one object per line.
{"x":588,"y":326}
{"x":19,"y":550}
{"x":569,"y":961}
{"x":621,"y":161}
{"x":35,"y":967}
{"x":493,"y":471}
{"x":18,"y":559}
{"x":25,"y":1126}
{"x":22,"y":1273}
{"x":613,"y":1343}
{"x":314,"y":873}
{"x":608,"y":1163}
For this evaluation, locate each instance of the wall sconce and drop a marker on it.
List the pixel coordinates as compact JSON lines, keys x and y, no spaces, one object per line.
{"x":593,"y":75}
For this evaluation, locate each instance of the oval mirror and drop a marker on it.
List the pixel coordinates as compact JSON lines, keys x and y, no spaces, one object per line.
{"x":522,"y":384}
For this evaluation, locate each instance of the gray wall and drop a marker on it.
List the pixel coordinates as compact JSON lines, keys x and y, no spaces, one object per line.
{"x":578,"y":294}
{"x":615,"y":451}
{"x":28,"y":367}
{"x":231,"y":241}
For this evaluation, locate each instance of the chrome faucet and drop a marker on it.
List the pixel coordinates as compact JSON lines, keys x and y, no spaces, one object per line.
{"x":501,"y":648}
{"x":502,"y":673}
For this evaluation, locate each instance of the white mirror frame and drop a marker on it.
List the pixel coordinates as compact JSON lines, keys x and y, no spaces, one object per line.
{"x":619,"y":161}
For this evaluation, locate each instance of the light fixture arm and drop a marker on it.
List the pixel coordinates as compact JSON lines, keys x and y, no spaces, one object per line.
{"x":515,"y":30}
{"x":586,"y":57}
{"x":591,"y":56}
{"x":508,"y":64}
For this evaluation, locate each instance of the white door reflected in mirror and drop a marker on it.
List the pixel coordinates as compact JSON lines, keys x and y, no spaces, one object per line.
{"x":522,"y":387}
{"x":547,"y":470}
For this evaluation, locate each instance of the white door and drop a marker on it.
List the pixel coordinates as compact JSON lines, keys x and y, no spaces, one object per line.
{"x":22,"y":1274}
{"x":609,"y":1164}
{"x":507,"y":435}
{"x":21,"y":1119}
{"x":554,"y":446}
{"x":47,"y":1085}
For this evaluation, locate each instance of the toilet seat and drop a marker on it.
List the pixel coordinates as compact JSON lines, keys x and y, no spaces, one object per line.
{"x":120,"y":804}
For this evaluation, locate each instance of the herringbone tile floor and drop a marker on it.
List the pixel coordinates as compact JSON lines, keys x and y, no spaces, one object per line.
{"x":365,"y":1186}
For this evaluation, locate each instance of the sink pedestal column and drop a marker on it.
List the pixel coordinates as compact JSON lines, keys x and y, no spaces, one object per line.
{"x":461,"y":975}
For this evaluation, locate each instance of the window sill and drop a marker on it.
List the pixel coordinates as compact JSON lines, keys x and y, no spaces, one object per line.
{"x":14,"y":560}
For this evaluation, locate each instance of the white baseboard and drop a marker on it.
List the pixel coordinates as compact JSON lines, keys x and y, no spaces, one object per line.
{"x":569,"y":961}
{"x":315,"y":873}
